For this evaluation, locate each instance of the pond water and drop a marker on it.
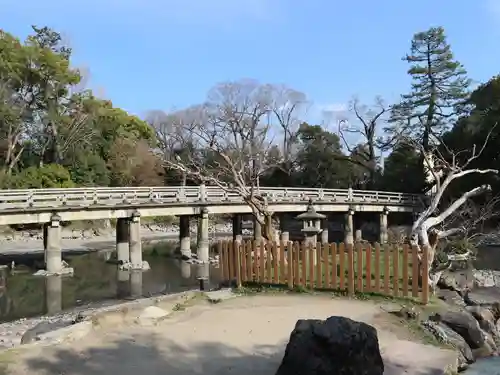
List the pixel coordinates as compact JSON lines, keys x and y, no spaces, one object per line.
{"x":95,"y":281}
{"x":487,"y":366}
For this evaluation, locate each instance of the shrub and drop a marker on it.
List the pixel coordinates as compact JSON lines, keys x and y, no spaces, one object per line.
{"x":48,"y":176}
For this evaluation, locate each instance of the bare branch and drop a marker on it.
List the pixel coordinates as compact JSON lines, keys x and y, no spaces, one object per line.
{"x":231,"y":132}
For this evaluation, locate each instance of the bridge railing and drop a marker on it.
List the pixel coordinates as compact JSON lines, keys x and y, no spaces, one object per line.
{"x":106,"y":196}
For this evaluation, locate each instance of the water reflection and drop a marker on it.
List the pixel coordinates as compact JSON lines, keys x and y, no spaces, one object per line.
{"x":53,"y":294}
{"x":95,"y":281}
{"x":185,"y":270}
{"x":136,"y":284}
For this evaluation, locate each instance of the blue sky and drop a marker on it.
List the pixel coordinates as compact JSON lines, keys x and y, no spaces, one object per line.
{"x":164,"y":54}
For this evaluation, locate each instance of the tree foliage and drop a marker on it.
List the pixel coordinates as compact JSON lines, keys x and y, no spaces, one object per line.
{"x":56,"y":133}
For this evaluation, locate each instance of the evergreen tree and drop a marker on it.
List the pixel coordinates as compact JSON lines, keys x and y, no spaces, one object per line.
{"x":439,"y":89}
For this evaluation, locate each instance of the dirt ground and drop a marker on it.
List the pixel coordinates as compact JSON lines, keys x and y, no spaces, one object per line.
{"x":245,"y":335}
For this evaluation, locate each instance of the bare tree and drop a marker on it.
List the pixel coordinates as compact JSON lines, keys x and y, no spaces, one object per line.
{"x":425,"y":232}
{"x":366,"y":123}
{"x":474,"y":220}
{"x":232,"y":135}
{"x":176,"y":132}
{"x":288,"y":107}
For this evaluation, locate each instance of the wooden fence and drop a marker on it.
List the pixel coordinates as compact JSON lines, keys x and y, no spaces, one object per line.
{"x":391,"y":270}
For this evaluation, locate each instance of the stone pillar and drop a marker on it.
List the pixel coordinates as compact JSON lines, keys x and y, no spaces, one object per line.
{"x":203,"y":245}
{"x":237,"y":228}
{"x":45,"y":228}
{"x":349,"y":227}
{"x":285,"y":234}
{"x":122,"y":241}
{"x":285,"y":237}
{"x":358,"y":235}
{"x":53,"y":294}
{"x":324,"y":234}
{"x":53,"y":251}
{"x":136,"y":284}
{"x":383,"y":227}
{"x":135,"y":244}
{"x":257,"y":229}
{"x":122,"y":284}
{"x":203,"y":275}
{"x":184,"y":238}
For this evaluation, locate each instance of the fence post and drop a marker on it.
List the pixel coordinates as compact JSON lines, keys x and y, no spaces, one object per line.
{"x":425,"y":275}
{"x":237,"y":258}
{"x":395,"y":270}
{"x":350,"y":269}
{"x":414,"y":271}
{"x":290,"y":259}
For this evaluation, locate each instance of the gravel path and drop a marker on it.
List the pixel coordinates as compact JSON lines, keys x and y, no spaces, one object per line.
{"x":243,"y":336}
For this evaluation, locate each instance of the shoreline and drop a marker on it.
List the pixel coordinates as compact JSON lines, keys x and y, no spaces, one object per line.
{"x":70,"y":243}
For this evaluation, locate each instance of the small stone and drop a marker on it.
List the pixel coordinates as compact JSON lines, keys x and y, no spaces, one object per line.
{"x":152,"y":314}
{"x":220,"y":295}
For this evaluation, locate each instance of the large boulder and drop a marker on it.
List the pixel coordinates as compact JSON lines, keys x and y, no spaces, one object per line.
{"x":448,"y":336}
{"x":465,"y":325}
{"x":486,"y":320}
{"x":337,"y":345}
{"x":483,"y":296}
{"x":451,"y":297}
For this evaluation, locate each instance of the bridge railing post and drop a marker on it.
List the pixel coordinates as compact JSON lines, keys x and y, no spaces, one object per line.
{"x":203,"y":193}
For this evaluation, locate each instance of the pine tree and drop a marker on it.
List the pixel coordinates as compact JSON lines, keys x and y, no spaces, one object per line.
{"x":439,"y":89}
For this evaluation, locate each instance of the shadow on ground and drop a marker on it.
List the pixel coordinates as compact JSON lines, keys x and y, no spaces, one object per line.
{"x":147,"y":355}
{"x":131,"y":357}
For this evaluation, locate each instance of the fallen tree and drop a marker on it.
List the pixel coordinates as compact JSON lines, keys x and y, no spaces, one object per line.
{"x":428,"y":229}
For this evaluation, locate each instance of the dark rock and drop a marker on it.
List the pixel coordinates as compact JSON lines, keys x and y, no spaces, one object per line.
{"x":446,"y":335}
{"x":79,"y":318}
{"x":337,"y":345}
{"x":486,"y":320}
{"x":32,"y":334}
{"x":483,"y":296}
{"x":465,"y":325}
{"x":451,"y":297}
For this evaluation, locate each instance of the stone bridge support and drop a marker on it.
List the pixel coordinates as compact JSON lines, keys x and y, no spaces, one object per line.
{"x":349,"y":227}
{"x":53,"y":249}
{"x":203,"y":247}
{"x":237,"y":227}
{"x":135,"y":244}
{"x":284,"y":233}
{"x":129,"y":243}
{"x":325,"y":233}
{"x":384,"y":235}
{"x":184,"y":236}
{"x":122,"y":239}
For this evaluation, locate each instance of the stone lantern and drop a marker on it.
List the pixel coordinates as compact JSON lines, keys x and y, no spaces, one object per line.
{"x":311,"y":224}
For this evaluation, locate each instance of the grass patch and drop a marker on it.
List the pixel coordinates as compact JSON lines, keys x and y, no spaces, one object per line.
{"x":8,"y":357}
